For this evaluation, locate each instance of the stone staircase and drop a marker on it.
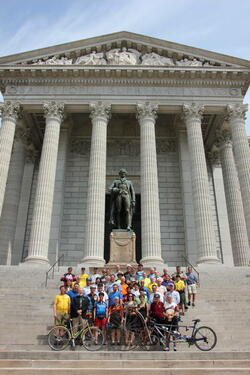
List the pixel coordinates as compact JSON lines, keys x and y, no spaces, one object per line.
{"x":142,"y":363}
{"x":223,"y":303}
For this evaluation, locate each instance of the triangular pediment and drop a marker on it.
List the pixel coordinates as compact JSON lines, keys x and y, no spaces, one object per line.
{"x":124,"y":48}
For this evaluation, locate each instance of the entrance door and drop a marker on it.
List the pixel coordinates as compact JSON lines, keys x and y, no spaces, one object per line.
{"x":136,"y":225}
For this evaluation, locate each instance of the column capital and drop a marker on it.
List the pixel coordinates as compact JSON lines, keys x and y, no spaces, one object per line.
{"x":223,"y":138}
{"x":10,"y":110}
{"x":53,"y":110}
{"x":192,"y":111}
{"x":213,"y":156}
{"x":236,"y":111}
{"x":146,"y":110}
{"x":100,"y":110}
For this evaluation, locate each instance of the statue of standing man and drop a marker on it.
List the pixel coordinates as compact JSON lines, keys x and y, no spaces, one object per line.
{"x":122,"y":202}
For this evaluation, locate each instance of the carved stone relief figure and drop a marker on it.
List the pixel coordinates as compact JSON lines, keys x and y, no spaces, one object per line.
{"x":54,"y":61}
{"x":92,"y":59}
{"x":188,"y":62}
{"x":155,"y":59}
{"x":123,"y":57}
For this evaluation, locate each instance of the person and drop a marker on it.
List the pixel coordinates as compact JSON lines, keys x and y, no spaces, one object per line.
{"x":192,"y":281}
{"x":123,"y":286}
{"x":167,"y":281}
{"x":100,"y":289}
{"x":86,"y":288}
{"x":160,"y":288}
{"x":171,"y":322}
{"x":95,"y":275}
{"x":101,"y":314}
{"x":122,"y":200}
{"x":141,"y":293}
{"x":61,"y":307}
{"x":104,"y":275}
{"x":115,"y":319}
{"x":92,"y":296}
{"x":153,"y":294}
{"x":81,"y":278}
{"x":180,"y":287}
{"x":143,"y":306}
{"x":135,"y":290}
{"x":139,"y":272}
{"x":157,"y":309}
{"x":79,"y":310}
{"x":142,"y":286}
{"x":175,"y":295}
{"x":109,"y":285}
{"x":68,"y":285}
{"x":129,"y":275}
{"x":152,"y":273}
{"x":165,"y":274}
{"x":115,"y":293}
{"x":117,"y":271}
{"x":74,"y":291}
{"x":178,"y":271}
{"x":68,"y":275}
{"x":131,"y":319}
{"x":152,"y":282}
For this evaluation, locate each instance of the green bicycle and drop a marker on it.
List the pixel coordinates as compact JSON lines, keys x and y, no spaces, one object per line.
{"x":90,"y":337}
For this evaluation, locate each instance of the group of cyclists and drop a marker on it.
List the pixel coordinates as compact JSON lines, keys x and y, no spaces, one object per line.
{"x":134,"y":297}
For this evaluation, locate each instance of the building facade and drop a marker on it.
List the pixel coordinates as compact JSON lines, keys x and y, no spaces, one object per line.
{"x":172,"y":115}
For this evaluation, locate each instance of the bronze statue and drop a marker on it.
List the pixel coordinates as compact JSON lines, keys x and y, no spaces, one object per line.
{"x":122,"y":202}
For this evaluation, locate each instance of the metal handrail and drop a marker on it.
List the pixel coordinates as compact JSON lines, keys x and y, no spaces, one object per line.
{"x":53,"y":269}
{"x":190,"y":264}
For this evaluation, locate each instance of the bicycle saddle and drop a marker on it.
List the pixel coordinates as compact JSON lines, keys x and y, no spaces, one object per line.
{"x":196,"y":320}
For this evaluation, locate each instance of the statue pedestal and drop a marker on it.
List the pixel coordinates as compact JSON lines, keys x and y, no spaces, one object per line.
{"x":122,"y":247}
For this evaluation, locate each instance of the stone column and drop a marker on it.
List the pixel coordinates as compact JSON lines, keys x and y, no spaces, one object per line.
{"x":236,"y":117}
{"x":41,"y":220}
{"x":203,"y":217}
{"x":94,"y":234}
{"x":9,"y":111}
{"x":150,"y":212}
{"x":8,"y":219}
{"x":238,"y":230}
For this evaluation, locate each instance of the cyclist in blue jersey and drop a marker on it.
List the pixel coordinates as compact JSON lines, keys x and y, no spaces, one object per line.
{"x":101,"y":314}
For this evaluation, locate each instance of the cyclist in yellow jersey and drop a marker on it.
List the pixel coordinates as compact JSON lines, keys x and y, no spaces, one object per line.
{"x":82,"y":277}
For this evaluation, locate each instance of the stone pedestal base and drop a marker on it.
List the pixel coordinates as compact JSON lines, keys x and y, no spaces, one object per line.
{"x":122,"y":247}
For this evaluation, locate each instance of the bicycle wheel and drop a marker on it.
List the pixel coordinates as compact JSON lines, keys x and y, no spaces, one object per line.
{"x":59,"y":338}
{"x":205,"y":338}
{"x":92,"y":338}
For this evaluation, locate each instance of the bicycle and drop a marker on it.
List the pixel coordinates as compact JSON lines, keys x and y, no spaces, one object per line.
{"x":204,"y":338}
{"x":61,"y":336}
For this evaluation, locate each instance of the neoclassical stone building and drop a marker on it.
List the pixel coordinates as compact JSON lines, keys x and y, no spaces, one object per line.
{"x":172,"y":115}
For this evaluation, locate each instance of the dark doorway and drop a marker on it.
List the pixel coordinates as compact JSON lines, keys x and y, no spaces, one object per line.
{"x":136,"y":225}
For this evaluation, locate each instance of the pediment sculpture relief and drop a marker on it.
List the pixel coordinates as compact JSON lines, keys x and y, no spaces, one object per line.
{"x":187,"y":62}
{"x":155,"y":59}
{"x":121,"y":56}
{"x":54,"y":61}
{"x":92,"y":59}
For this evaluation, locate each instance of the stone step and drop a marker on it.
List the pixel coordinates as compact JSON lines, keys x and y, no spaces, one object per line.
{"x":125,"y":371}
{"x":122,"y":355}
{"x":149,"y":363}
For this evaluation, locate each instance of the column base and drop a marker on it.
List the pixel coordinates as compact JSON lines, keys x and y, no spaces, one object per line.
{"x":36,"y":260}
{"x":92,"y":262}
{"x":152,"y":261}
{"x":208,"y":260}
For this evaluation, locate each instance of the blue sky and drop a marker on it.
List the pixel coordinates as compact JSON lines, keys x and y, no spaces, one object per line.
{"x":217,"y":25}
